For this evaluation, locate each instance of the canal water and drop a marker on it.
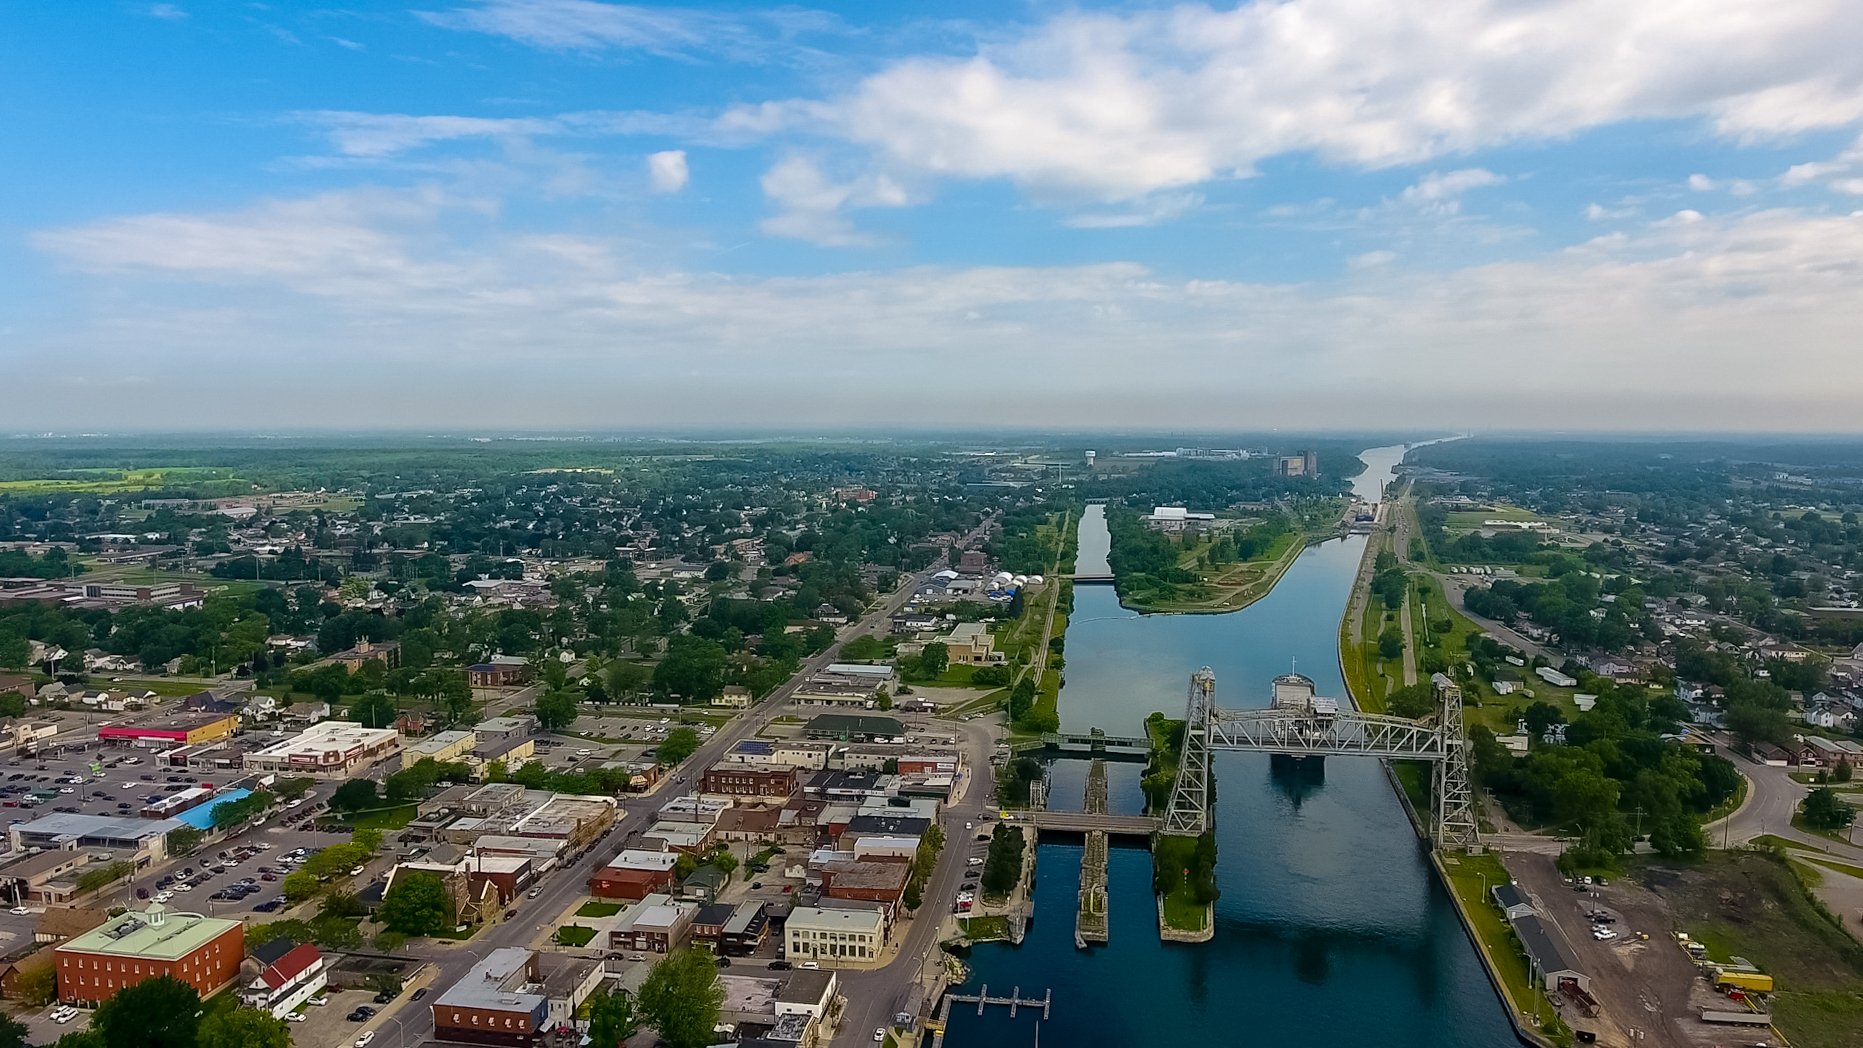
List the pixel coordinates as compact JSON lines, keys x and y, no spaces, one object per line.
{"x":1331,"y":928}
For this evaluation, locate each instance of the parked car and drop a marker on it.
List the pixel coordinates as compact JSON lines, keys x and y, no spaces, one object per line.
{"x":418,"y":994}
{"x":780,"y":966}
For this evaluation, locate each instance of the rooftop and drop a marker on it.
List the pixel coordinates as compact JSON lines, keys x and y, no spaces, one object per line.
{"x":840,"y":919}
{"x":98,"y":827}
{"x":496,"y":984}
{"x":154,"y":933}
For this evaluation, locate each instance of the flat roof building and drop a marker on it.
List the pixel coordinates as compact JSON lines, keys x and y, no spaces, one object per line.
{"x":499,"y":1002}
{"x":331,"y":749}
{"x":838,"y":934}
{"x":204,"y":952}
{"x":143,"y":840}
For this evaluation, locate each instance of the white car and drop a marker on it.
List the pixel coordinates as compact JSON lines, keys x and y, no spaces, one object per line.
{"x":184,"y":887}
{"x":20,"y":911}
{"x":164,"y":896}
{"x":264,"y":846}
{"x":367,"y":1036}
{"x":294,"y":1017}
{"x":879,"y":1034}
{"x":64,"y":1015}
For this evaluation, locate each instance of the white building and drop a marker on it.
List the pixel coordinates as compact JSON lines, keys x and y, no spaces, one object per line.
{"x":288,"y":976}
{"x":332,"y":749}
{"x":838,"y":934}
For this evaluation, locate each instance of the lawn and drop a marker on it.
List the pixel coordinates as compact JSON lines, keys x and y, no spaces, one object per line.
{"x":1470,"y":877}
{"x":985,"y":929}
{"x":598,"y":908}
{"x":574,"y":935}
{"x":1183,"y":912}
{"x":392,"y":818}
{"x":1751,"y":905}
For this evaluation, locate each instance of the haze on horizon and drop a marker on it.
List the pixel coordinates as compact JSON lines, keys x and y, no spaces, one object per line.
{"x":573,"y":214}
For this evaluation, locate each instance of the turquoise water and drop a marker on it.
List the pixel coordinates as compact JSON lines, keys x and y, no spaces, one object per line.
{"x":1331,"y":930}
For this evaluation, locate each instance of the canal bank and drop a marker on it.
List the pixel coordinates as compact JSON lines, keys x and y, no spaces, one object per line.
{"x":1331,"y":927}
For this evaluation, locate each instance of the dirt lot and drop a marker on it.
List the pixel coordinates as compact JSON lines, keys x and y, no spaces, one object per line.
{"x":1647,"y":989}
{"x":1749,"y":905}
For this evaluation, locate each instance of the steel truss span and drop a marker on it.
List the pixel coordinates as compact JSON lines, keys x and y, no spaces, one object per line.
{"x":1301,"y":724}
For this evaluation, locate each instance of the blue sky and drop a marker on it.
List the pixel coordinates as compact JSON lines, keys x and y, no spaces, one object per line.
{"x":532,"y":213}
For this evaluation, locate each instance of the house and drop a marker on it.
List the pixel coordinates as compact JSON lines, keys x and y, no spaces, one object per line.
{"x":59,"y":923}
{"x":281,"y":975}
{"x":734,"y":696}
{"x":18,"y":684}
{"x":1548,"y":962}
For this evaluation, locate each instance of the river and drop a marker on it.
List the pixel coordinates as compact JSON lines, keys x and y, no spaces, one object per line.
{"x":1331,"y":928}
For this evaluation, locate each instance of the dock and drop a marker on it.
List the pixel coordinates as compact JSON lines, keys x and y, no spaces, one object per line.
{"x":1015,"y":1001}
{"x":1090,"y":918}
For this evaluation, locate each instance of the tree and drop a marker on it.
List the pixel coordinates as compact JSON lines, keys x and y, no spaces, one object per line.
{"x":162,"y":1012}
{"x":556,"y":709}
{"x":680,"y":743}
{"x":1825,"y":810}
{"x":1390,"y":643}
{"x":80,"y":1039}
{"x":38,"y":986}
{"x":1842,"y":772}
{"x":681,"y":997}
{"x":417,"y":904}
{"x":183,"y":840}
{"x":934,"y":659}
{"x":354,"y":795}
{"x":243,"y":1028}
{"x":298,"y":885}
{"x":611,"y":1019}
{"x":624,"y":679}
{"x":374,"y":709}
{"x":12,"y":1034}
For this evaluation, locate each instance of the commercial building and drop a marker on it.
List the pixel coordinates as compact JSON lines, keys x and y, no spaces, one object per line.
{"x":204,"y":952}
{"x":179,"y":731}
{"x":142,"y":841}
{"x":501,"y":1001}
{"x":750,"y":783}
{"x":1548,"y":963}
{"x":655,"y":924}
{"x":972,"y":644}
{"x":444,"y":746}
{"x":287,"y":974}
{"x":332,"y":749}
{"x":854,"y":727}
{"x":839,"y":934}
{"x":876,"y":882}
{"x":634,"y":875}
{"x":1304,"y":464}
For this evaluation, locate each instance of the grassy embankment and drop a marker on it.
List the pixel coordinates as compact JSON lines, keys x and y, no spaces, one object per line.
{"x":1753,"y":905}
{"x":1469,"y":877}
{"x":1182,"y":908}
{"x":1234,"y":585}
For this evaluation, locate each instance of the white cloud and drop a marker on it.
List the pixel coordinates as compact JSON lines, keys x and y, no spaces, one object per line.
{"x":167,"y":11}
{"x":1116,"y":106}
{"x":575,"y":331}
{"x":1600,"y":213}
{"x":667,"y":171}
{"x":1734,"y":186}
{"x":384,"y":134}
{"x":1371,"y":260}
{"x":1154,"y":210}
{"x":811,"y":204}
{"x":1700,"y":183}
{"x":590,"y":25}
{"x":1440,"y":193}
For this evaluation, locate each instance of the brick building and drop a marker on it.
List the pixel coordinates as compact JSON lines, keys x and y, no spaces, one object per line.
{"x":750,"y":782}
{"x":495,"y":1003}
{"x":204,"y":952}
{"x":634,"y":875}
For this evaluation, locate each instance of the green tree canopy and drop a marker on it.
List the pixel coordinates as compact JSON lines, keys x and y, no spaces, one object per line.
{"x":681,"y":998}
{"x":243,"y":1028}
{"x":556,"y":709}
{"x":417,"y":904}
{"x":611,"y":1019}
{"x":155,"y":1013}
{"x":680,"y":743}
{"x":1825,"y":810}
{"x":355,"y":795}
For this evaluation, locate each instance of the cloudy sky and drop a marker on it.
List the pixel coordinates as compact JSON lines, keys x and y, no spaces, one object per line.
{"x":572,"y":213}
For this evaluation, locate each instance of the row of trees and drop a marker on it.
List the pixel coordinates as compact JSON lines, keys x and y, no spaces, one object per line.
{"x":164,"y":1012}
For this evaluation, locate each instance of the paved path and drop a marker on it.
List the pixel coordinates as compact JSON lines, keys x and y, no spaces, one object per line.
{"x":1772,"y":799}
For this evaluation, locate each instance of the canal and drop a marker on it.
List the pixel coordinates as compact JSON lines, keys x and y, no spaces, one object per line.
{"x":1331,"y":928}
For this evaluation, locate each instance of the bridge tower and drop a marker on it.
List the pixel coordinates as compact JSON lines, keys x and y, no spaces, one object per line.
{"x":1456,"y":825}
{"x":1188,"y":814}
